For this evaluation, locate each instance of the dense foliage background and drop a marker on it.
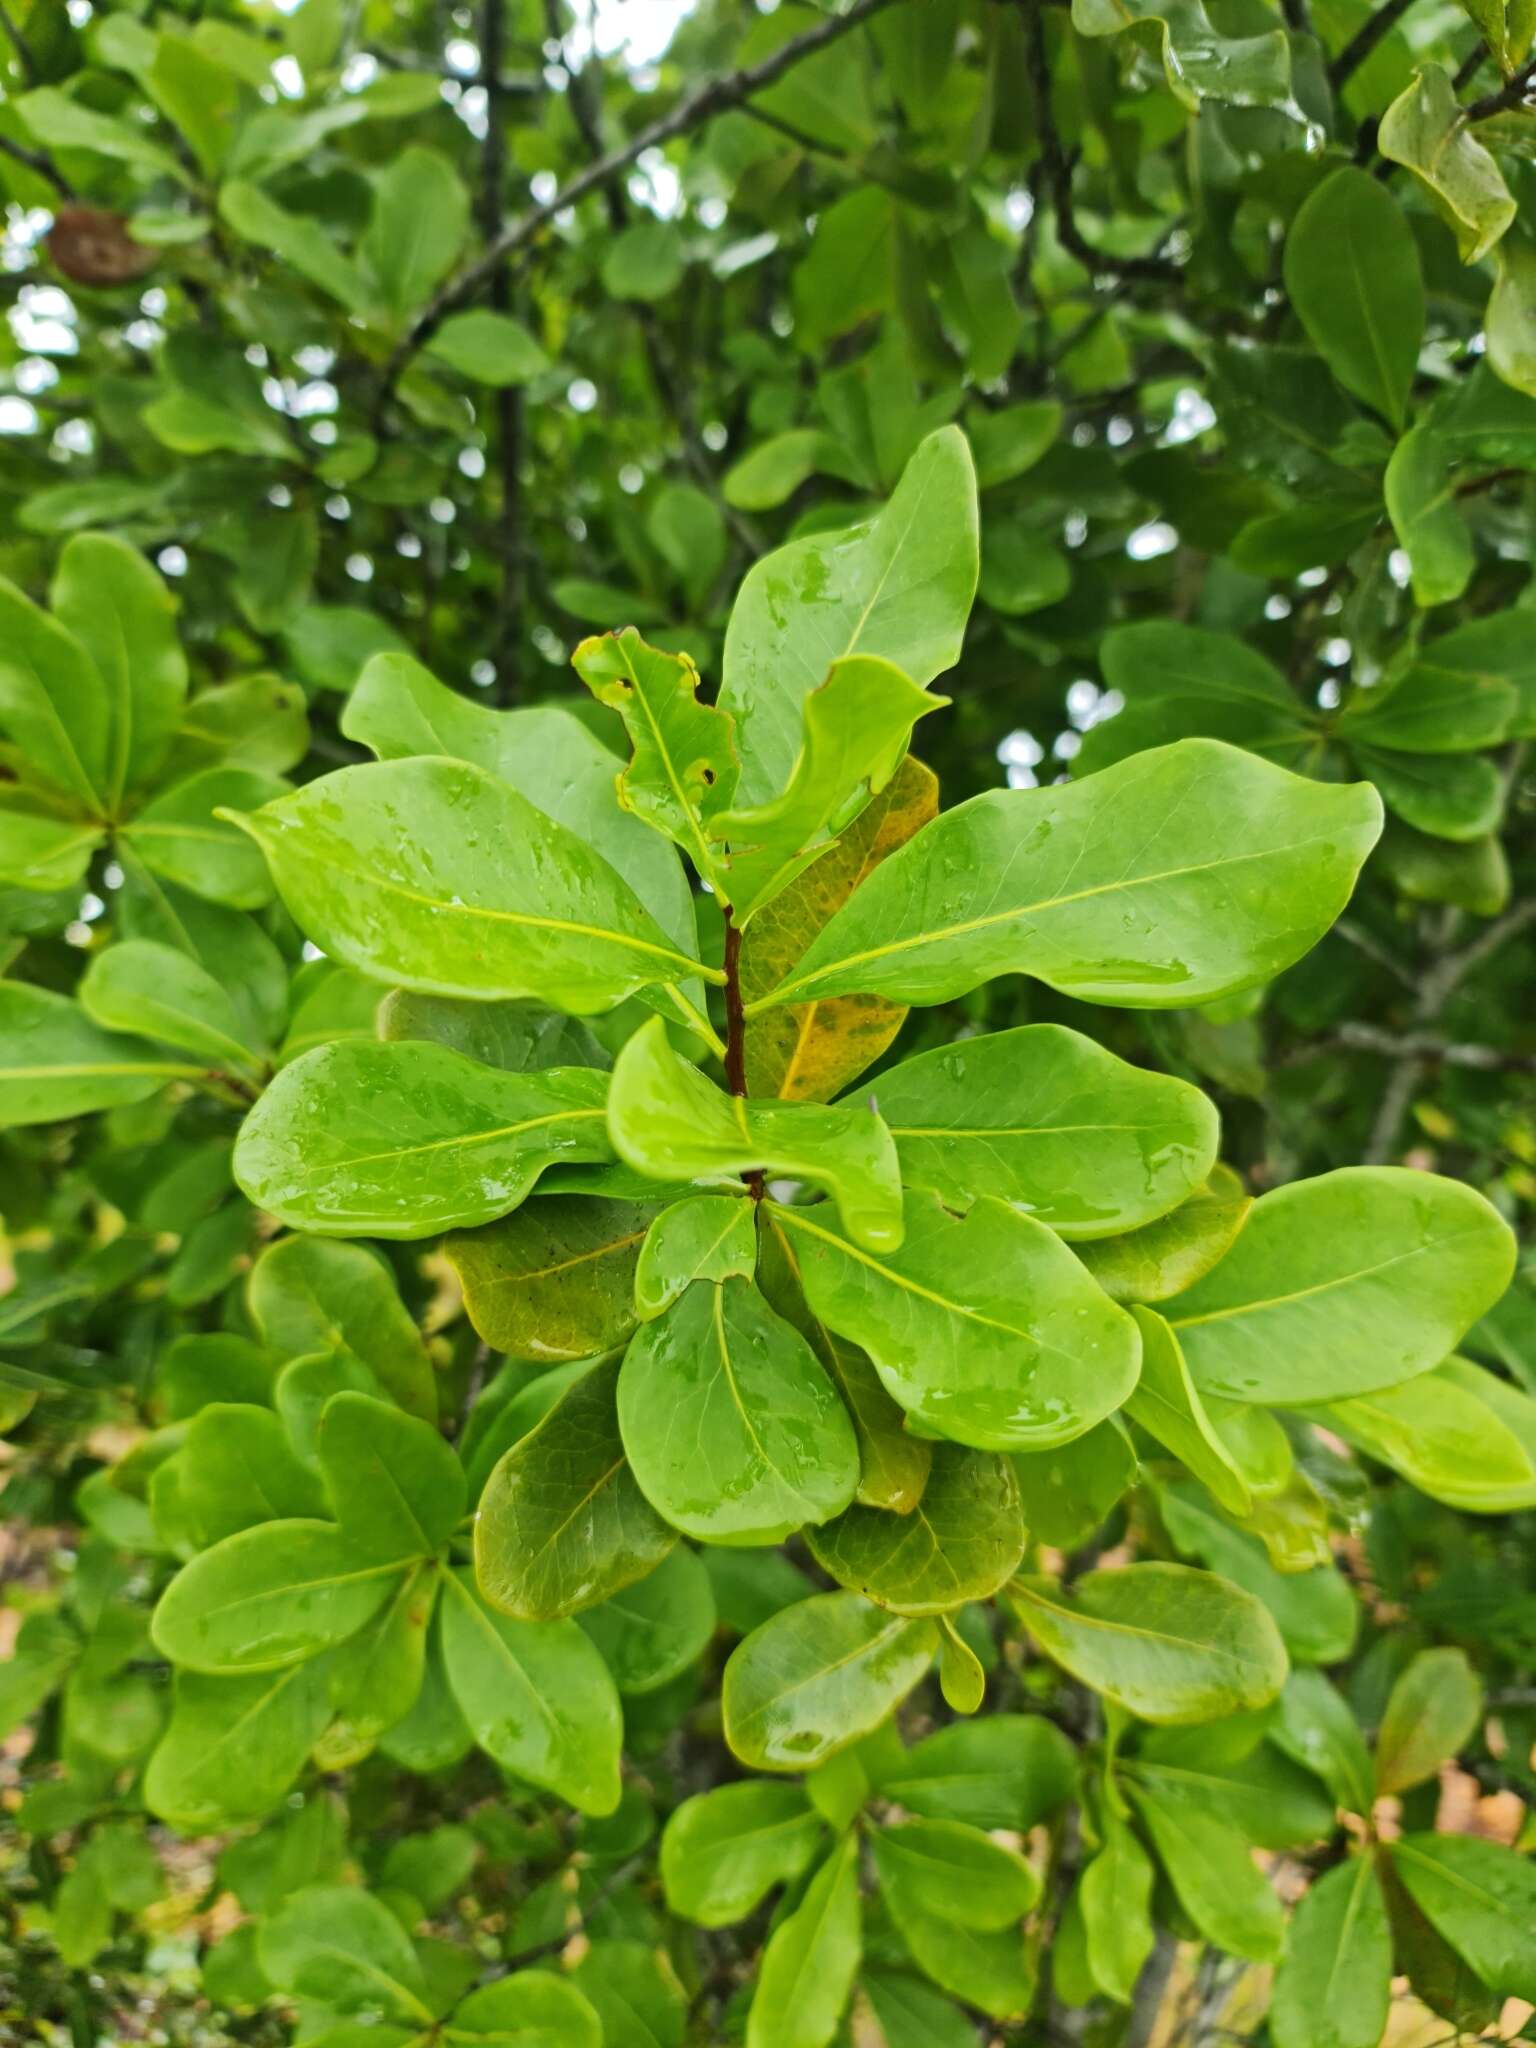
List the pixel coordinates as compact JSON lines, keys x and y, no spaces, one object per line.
{"x":464,"y":333}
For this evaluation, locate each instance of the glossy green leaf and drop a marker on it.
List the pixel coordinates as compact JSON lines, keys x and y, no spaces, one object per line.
{"x":377,"y":1676}
{"x":817,"y":1676}
{"x":1453,"y":796}
{"x":536,"y":1696}
{"x":562,"y":1523}
{"x":190,"y":834}
{"x":992,"y":1970}
{"x":1342,"y":1284}
{"x":655,"y":1629}
{"x":555,"y":1281}
{"x":723,"y":1851}
{"x":704,"y":1237}
{"x":955,"y":1872}
{"x":308,"y":1296}
{"x":236,"y":1470}
{"x":408,"y":1140}
{"x":1115,"y":1896}
{"x":1069,"y":1490}
{"x":1426,"y":129}
{"x":1315,"y":1611}
{"x":1046,"y":1120}
{"x":1262,"y":1793}
{"x":984,"y":1327}
{"x":1421,"y":502}
{"x":1007,"y":1771}
{"x":1432,"y":1713}
{"x":1481,"y":1897}
{"x":121,"y":613}
{"x":270,"y":1596}
{"x":807,"y":1971}
{"x":158,"y":992}
{"x":54,"y":1062}
{"x":54,"y":704}
{"x":899,"y":588}
{"x":962,"y":1540}
{"x":1165,"y":1257}
{"x":1166,"y":1403}
{"x":1166,"y":1643}
{"x":1334,"y":1986}
{"x":532,"y":2006}
{"x":1183,"y":874}
{"x":397,"y":1488}
{"x":234,"y":1746}
{"x":1352,"y":272}
{"x":1230,"y":1900}
{"x":1199,"y":61}
{"x":435,"y":875}
{"x":731,"y":1425}
{"x":667,"y":1120}
{"x":962,"y":1675}
{"x":1443,"y":1437}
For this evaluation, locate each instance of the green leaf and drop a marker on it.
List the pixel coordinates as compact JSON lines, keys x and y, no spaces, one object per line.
{"x":1050,"y":1122}
{"x":233,"y":1746}
{"x":555,"y":1281}
{"x":485,"y":897}
{"x":1426,"y":129}
{"x":1267,"y":1797}
{"x":1315,"y":1611}
{"x":59,"y":122}
{"x":1166,"y":1403}
{"x":534,"y":2007}
{"x":517,"y":1037}
{"x":296,"y":239}
{"x":397,"y":1488}
{"x":1481,"y":1898}
{"x":1181,"y":681}
{"x":309,"y":1296}
{"x":562,"y":1523}
{"x":985,"y":1328}
{"x":54,"y":704}
{"x":1458,"y":693}
{"x":190,"y":834}
{"x":343,"y":1947}
{"x":237,"y":1470}
{"x":723,"y":1851}
{"x":1228,"y":1897}
{"x":420,"y":215}
{"x":683,"y":770}
{"x":537,"y":1697}
{"x":488,"y":348}
{"x":666,"y":1120}
{"x":807,"y":1052}
{"x":732,"y":1427}
{"x":1510,"y":321}
{"x":1008,"y":1771}
{"x":1334,"y":1985}
{"x":856,"y":727}
{"x":1433,"y":1712}
{"x":1070,"y":1490}
{"x":656,"y":1629}
{"x":1317,"y":1729}
{"x":962,"y":1540}
{"x":1454,"y":796}
{"x":377,"y":1676}
{"x":1352,"y":272}
{"x":45,"y":853}
{"x":270,"y":1596}
{"x":955,"y":1872}
{"x":138,"y":986}
{"x":121,"y":613}
{"x":1199,"y":62}
{"x":1338,"y":1285}
{"x":899,"y":588}
{"x":704,"y":1237}
{"x":817,"y":1676}
{"x":807,"y":1970}
{"x":1166,"y":1257}
{"x":1186,"y":873}
{"x":636,"y":1994}
{"x":992,"y":1970}
{"x":54,"y":1062}
{"x":1422,"y":505}
{"x":1442,"y":1436}
{"x":1115,"y":1896}
{"x":962,"y":1676}
{"x":1166,"y":1643}
{"x":409,"y":1140}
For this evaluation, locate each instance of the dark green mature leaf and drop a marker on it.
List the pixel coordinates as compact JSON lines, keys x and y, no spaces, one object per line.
{"x":1334,"y":1986}
{"x":1166,"y":1643}
{"x":341,"y":1946}
{"x":1183,"y":874}
{"x":397,"y":1488}
{"x":817,"y":1676}
{"x":1352,"y":272}
{"x":54,"y":1062}
{"x":309,"y":1296}
{"x":731,"y":1425}
{"x":562,"y":1523}
{"x":1049,"y":1122}
{"x":1352,"y":1281}
{"x":1481,"y":1898}
{"x":899,"y":588}
{"x":411,"y":1139}
{"x":961,"y":1541}
{"x":555,"y":1281}
{"x":233,"y":1746}
{"x":656,"y":1628}
{"x":478,"y":894}
{"x":983,"y":1327}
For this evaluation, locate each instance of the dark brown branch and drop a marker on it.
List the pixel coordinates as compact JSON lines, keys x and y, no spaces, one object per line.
{"x":1364,"y":41}
{"x":1058,"y":170}
{"x":1513,"y":93}
{"x":717,"y":96}
{"x":40,"y":163}
{"x":509,"y":401}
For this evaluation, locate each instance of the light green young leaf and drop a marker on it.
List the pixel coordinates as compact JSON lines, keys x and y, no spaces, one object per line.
{"x":1334,"y":1985}
{"x":489,"y":348}
{"x":807,"y":1970}
{"x":397,"y":1488}
{"x":119,"y":610}
{"x":962,"y":1676}
{"x":1315,"y":1611}
{"x":656,"y":1629}
{"x":667,"y":1120}
{"x":899,"y":588}
{"x":307,"y":1296}
{"x":1421,"y":503}
{"x":270,"y":1596}
{"x":857,"y":724}
{"x":138,"y":986}
{"x":723,"y":1851}
{"x":45,"y":854}
{"x":60,"y":122}
{"x":479,"y":894}
{"x":55,"y":1063}
{"x":376,"y":1677}
{"x":296,"y":239}
{"x":408,"y":1140}
{"x":1432,"y":1713}
{"x":343,"y":1947}
{"x":1342,"y":1284}
{"x":1167,"y":1405}
{"x":555,"y":1281}
{"x":1317,"y":1729}
{"x":1166,"y":1643}
{"x":955,"y":1872}
{"x":817,"y":1676}
{"x":1165,"y":1257}
{"x":1183,"y":874}
{"x":1481,"y":1897}
{"x":703,"y":1237}
{"x":54,"y":704}
{"x":1199,"y":62}
{"x":985,"y":1328}
{"x":237,"y":1470}
{"x":234,"y":1746}
{"x":562,"y":1523}
{"x":532,"y":2006}
{"x":1048,"y":1121}
{"x":962,"y":1541}
{"x":420,"y":215}
{"x":1218,"y":1884}
{"x":1510,"y":320}
{"x":1352,"y":271}
{"x":1115,"y":1896}
{"x":733,"y":1429}
{"x":537,"y":1697}
{"x":1426,"y":129}
{"x":1441,"y":1434}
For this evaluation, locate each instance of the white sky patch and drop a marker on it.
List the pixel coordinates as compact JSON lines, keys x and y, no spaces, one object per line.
{"x":639,"y":30}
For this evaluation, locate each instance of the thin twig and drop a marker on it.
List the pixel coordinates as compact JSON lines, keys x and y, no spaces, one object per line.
{"x":509,"y":400}
{"x":1425,"y":1046}
{"x":43,"y":165}
{"x":716,"y":96}
{"x":20,"y":45}
{"x":1513,"y":93}
{"x":1364,"y":41}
